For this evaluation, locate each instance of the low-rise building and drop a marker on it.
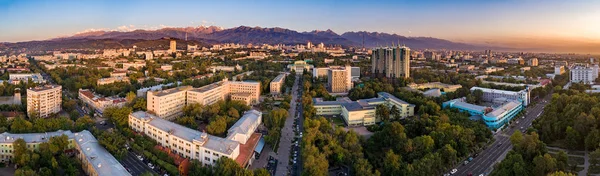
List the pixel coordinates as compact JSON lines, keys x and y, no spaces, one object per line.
{"x":490,"y":94}
{"x":300,"y":66}
{"x":100,"y":103}
{"x":110,"y":80}
{"x":362,"y":112}
{"x":16,"y":78}
{"x":436,"y":85}
{"x":493,"y":117}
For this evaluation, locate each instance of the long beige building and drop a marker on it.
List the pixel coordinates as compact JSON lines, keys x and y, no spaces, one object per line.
{"x":44,"y":100}
{"x":198,"y":145}
{"x":393,"y":62}
{"x":169,"y":103}
{"x":276,"y":84}
{"x":339,"y":80}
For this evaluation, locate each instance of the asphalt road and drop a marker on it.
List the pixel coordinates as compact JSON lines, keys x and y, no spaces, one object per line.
{"x":135,"y":166}
{"x":494,"y":153}
{"x":297,"y":168}
{"x":287,"y":134}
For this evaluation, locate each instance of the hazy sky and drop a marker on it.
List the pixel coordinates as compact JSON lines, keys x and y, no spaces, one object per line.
{"x":474,"y":21}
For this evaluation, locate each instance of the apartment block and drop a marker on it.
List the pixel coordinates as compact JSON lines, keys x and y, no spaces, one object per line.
{"x":169,"y":103}
{"x":95,"y":159}
{"x":238,"y":145}
{"x":98,"y":102}
{"x":44,"y":100}
{"x":276,"y":83}
{"x":533,"y":62}
{"x":393,"y":62}
{"x":584,"y":74}
{"x":339,"y":80}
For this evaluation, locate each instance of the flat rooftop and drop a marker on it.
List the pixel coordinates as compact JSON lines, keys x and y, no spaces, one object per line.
{"x":279,"y":77}
{"x":43,"y":88}
{"x":171,"y":91}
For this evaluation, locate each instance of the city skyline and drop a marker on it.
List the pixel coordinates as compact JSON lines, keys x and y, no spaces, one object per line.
{"x":521,"y":24}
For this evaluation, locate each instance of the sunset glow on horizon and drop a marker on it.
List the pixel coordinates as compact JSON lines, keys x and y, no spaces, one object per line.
{"x":469,"y":21}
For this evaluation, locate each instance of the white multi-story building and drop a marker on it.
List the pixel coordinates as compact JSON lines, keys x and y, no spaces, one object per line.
{"x":362,"y":112}
{"x":489,"y":95}
{"x":44,"y":100}
{"x":586,"y":75}
{"x":169,"y":103}
{"x":276,"y":83}
{"x":198,"y":145}
{"x":100,"y":103}
{"x":95,"y":159}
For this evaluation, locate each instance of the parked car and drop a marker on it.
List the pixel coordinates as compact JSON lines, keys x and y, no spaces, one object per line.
{"x":139,"y":157}
{"x":453,"y":171}
{"x":151,"y":165}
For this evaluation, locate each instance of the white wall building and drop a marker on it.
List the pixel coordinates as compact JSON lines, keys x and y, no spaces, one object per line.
{"x":490,"y":94}
{"x":44,"y":100}
{"x":198,"y":145}
{"x":586,"y":75}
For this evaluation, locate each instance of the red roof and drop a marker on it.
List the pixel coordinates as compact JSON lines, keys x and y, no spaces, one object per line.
{"x":246,"y":150}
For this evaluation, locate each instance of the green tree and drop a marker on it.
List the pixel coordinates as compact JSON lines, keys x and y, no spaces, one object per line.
{"x":83,"y":123}
{"x":543,"y":164}
{"x":20,"y":125}
{"x":218,"y":126}
{"x":595,"y":157}
{"x":382,"y":112}
{"x":392,"y":164}
{"x":130,"y":96}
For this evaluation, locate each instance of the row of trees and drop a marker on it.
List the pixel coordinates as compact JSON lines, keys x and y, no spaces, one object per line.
{"x":530,"y":157}
{"x":571,"y":121}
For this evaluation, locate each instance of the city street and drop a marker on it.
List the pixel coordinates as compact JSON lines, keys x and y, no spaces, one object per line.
{"x":287,"y":134}
{"x":135,"y":166}
{"x":495,"y":152}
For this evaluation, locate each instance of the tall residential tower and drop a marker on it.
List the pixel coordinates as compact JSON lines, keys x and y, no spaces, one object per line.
{"x":393,"y":62}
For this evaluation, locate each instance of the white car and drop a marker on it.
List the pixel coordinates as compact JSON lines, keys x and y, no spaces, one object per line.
{"x":140,"y":158}
{"x":150,"y":165}
{"x":453,"y":171}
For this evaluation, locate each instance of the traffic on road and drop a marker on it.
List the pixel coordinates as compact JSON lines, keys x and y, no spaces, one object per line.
{"x":482,"y":163}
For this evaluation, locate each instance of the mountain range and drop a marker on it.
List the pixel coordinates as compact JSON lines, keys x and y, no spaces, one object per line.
{"x":207,"y":35}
